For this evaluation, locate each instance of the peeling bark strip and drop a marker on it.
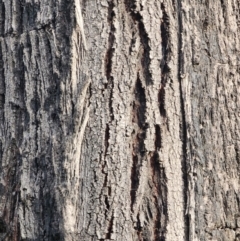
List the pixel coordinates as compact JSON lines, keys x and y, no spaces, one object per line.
{"x":119,"y":120}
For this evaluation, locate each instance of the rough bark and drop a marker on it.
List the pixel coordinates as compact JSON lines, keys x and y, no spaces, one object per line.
{"x":119,"y":120}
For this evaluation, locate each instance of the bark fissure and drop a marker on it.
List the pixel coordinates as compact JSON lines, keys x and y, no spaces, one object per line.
{"x":109,"y":55}
{"x":11,"y":177}
{"x":138,"y":228}
{"x":156,"y":194}
{"x":2,"y":86}
{"x":138,"y":135}
{"x":106,"y":141}
{"x":165,"y":25}
{"x":161,"y":101}
{"x":158,"y":142}
{"x":111,"y":40}
{"x":109,"y":89}
{"x":183,"y":124}
{"x":2,"y":18}
{"x":134,"y":179}
{"x":157,"y":129}
{"x":110,"y":227}
{"x":159,"y":190}
{"x":137,"y":18}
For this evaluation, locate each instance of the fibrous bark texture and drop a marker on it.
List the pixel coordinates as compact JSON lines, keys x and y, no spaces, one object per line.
{"x":119,"y":120}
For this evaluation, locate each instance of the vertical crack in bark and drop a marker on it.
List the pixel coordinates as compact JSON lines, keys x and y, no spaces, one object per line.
{"x":2,"y":87}
{"x":165,"y":25}
{"x":146,"y":54}
{"x":2,"y":18}
{"x":106,"y":203}
{"x":183,"y":126}
{"x":159,"y":190}
{"x":224,"y":10}
{"x":109,"y":56}
{"x":139,"y":228}
{"x":158,"y":142}
{"x":36,"y":107}
{"x":134,"y":179}
{"x":105,"y":173}
{"x":1,"y":155}
{"x":237,"y":155}
{"x":160,"y":197}
{"x":111,"y":100}
{"x":110,"y":227}
{"x":10,"y":214}
{"x":139,"y":134}
{"x":138,"y":19}
{"x":109,"y":86}
{"x":161,"y":101}
{"x":111,"y":40}
{"x":106,"y":143}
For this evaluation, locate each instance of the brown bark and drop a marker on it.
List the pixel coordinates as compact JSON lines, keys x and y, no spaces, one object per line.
{"x":119,"y":120}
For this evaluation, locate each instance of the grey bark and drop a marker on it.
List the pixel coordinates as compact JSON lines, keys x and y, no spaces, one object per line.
{"x":119,"y":120}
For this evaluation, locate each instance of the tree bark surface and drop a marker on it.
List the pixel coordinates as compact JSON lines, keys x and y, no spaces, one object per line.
{"x":119,"y":120}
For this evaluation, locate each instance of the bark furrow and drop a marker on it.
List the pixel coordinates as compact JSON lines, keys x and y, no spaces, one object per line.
{"x":119,"y":120}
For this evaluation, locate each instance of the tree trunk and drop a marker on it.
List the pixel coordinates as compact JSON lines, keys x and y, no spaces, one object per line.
{"x":119,"y":120}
